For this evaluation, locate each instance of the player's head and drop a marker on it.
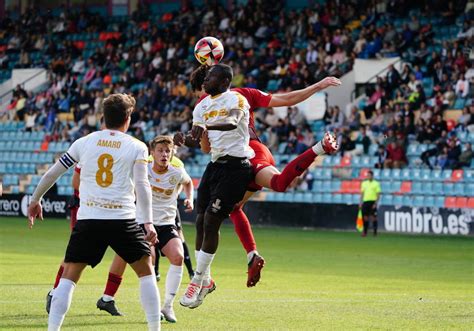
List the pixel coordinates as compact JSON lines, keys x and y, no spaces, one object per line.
{"x":197,"y":77}
{"x":218,"y":79}
{"x":370,"y":175}
{"x":162,"y":150}
{"x":117,"y":111}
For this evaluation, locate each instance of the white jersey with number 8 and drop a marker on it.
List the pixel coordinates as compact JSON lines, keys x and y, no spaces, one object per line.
{"x":106,"y":188}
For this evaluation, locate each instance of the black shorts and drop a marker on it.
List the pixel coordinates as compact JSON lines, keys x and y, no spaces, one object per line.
{"x":368,"y":208}
{"x":90,"y":238}
{"x":165,"y":234}
{"x":177,"y":220}
{"x":223,"y":185}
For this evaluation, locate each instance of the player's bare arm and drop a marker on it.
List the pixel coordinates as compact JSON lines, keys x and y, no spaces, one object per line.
{"x":50,"y":177}
{"x":294,"y":97}
{"x":188,"y":189}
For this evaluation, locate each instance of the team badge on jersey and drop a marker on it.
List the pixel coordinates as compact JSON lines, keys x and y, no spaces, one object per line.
{"x":173,"y":180}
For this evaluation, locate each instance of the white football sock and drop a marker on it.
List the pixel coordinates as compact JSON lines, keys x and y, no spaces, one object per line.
{"x":107,"y":298}
{"x":318,"y":148}
{"x":150,"y":299}
{"x":173,"y":280}
{"x":196,"y":255}
{"x":60,"y":303}
{"x":203,"y":268}
{"x":250,"y":255}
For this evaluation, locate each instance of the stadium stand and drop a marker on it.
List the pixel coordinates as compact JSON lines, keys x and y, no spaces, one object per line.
{"x":415,"y":127}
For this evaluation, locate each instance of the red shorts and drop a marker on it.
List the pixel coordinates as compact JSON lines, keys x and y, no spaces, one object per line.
{"x":263,"y":158}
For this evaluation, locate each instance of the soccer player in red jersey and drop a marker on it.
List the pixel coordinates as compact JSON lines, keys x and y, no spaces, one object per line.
{"x":266,"y":175}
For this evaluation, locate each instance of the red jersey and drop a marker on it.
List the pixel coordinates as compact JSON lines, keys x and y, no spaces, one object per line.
{"x":256,"y":99}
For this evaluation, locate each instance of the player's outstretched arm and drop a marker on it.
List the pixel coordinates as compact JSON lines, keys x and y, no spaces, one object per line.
{"x":47,"y":181}
{"x":294,"y":97}
{"x":229,"y":123}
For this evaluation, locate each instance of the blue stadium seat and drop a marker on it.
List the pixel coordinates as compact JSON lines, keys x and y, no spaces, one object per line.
{"x":436,"y":175}
{"x":429,"y":201}
{"x":3,"y":168}
{"x":376,"y":173}
{"x":425,"y":174}
{"x":439,"y":202}
{"x":307,"y":197}
{"x":317,"y":186}
{"x":318,"y":173}
{"x":407,"y":201}
{"x":298,"y":197}
{"x":30,"y":189}
{"x":418,"y":201}
{"x":459,"y":189}
{"x":412,"y":150}
{"x":438,"y":188}
{"x":416,"y":188}
{"x":270,"y":196}
{"x":395,"y":186}
{"x":386,"y":174}
{"x":337,"y":198}
{"x":15,"y":189}
{"x":397,"y":200}
{"x":62,"y":190}
{"x":335,"y":185}
{"x":347,"y":199}
{"x":317,"y":197}
{"x":426,"y":188}
{"x":448,"y":189}
{"x":396,"y":174}
{"x":385,"y":186}
{"x":469,"y":175}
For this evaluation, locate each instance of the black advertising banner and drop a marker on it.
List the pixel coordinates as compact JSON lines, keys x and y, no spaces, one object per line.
{"x":17,"y":205}
{"x":440,"y":221}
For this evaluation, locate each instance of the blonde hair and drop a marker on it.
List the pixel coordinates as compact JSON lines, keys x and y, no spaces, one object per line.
{"x":166,"y":140}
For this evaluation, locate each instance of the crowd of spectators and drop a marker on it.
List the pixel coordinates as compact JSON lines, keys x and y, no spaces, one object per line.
{"x":268,"y":47}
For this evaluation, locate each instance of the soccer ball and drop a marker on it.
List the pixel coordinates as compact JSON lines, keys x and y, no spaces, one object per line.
{"x":209,"y":50}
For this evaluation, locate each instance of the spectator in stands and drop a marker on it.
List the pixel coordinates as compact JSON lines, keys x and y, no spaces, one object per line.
{"x":396,"y":157}
{"x":464,"y":119}
{"x":353,"y":121}
{"x":336,"y":118}
{"x":363,"y":139}
{"x":462,"y":86}
{"x":348,"y":146}
{"x":465,"y":158}
{"x":454,"y":151}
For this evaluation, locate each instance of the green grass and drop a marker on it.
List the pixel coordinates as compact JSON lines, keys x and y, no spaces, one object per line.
{"x":312,"y":280}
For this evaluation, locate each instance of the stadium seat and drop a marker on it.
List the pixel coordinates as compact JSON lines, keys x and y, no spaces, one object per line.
{"x":429,"y":202}
{"x":335,"y":185}
{"x":438,"y":188}
{"x":439,"y":202}
{"x":407,"y":201}
{"x":457,"y":175}
{"x":318,"y":197}
{"x":385,"y":186}
{"x":397,"y":200}
{"x":450,"y":202}
{"x":418,"y":201}
{"x":461,"y":202}
{"x":405,"y":188}
{"x":307,"y":197}
{"x":427,"y":188}
{"x":470,"y":203}
{"x":459,"y":189}
{"x":395,"y":186}
{"x":416,"y":188}
{"x":386,"y":199}
{"x":425,"y":174}
{"x":469,"y":175}
{"x":337,"y":198}
{"x":386,"y":174}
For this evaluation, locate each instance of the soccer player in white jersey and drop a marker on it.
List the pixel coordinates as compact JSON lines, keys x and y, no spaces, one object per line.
{"x":166,"y":180}
{"x":225,"y":116}
{"x":113,"y":176}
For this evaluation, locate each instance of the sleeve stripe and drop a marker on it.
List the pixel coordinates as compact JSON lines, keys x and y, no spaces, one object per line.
{"x":69,"y":155}
{"x":67,"y":161}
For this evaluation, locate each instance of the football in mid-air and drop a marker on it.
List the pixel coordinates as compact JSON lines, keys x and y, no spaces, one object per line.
{"x":209,"y":50}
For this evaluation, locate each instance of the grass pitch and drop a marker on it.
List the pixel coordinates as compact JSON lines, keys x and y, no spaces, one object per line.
{"x":312,"y":280}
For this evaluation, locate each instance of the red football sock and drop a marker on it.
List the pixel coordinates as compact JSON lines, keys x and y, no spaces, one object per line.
{"x":113,"y":283}
{"x":295,"y":168}
{"x":243,"y":229}
{"x":58,"y":276}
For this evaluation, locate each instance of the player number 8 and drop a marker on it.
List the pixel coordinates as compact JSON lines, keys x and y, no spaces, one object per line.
{"x":105,"y":162}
